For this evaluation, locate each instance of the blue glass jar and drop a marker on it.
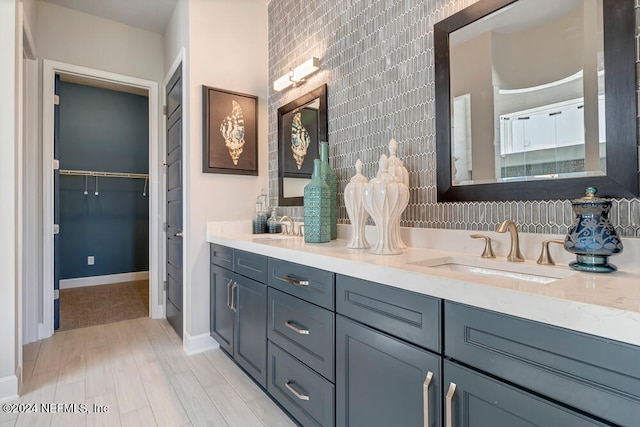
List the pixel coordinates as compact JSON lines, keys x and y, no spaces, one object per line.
{"x":317,"y":212}
{"x":591,"y":236}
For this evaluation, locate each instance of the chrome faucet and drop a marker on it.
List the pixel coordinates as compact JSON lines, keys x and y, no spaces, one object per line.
{"x":514,"y":253}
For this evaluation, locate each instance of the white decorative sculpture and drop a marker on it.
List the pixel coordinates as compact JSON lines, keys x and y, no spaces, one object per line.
{"x":397,"y":170}
{"x":383,"y":197}
{"x":355,"y":209}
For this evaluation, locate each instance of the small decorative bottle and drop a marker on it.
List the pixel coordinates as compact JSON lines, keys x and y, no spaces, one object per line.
{"x":591,"y":236}
{"x":329,"y":177}
{"x":260,"y":219}
{"x":355,"y":209}
{"x":317,"y":213}
{"x":273,"y":225}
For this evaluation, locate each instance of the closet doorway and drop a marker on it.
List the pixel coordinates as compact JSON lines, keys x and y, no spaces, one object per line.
{"x":101,"y":141}
{"x":101,"y":193}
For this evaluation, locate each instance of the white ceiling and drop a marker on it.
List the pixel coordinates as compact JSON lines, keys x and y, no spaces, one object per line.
{"x":150,"y":15}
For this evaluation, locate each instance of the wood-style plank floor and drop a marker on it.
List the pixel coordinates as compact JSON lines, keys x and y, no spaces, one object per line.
{"x":137,"y":369}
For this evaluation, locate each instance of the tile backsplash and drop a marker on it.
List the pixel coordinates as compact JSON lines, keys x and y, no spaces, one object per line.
{"x":377,"y":60}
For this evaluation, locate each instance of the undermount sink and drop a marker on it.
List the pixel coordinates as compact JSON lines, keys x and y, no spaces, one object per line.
{"x":486,"y":267}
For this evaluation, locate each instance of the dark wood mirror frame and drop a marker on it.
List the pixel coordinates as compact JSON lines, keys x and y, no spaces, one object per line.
{"x":621,"y":115}
{"x":319,"y":93}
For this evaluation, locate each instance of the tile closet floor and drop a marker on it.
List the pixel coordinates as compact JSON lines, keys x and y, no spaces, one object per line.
{"x":138,"y":370}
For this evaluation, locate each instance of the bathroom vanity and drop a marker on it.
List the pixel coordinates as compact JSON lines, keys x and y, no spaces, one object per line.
{"x":356,"y":339}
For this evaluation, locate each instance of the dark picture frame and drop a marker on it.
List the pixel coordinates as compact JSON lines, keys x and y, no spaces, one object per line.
{"x":230,"y":132}
{"x":621,"y":181}
{"x":316,"y":123}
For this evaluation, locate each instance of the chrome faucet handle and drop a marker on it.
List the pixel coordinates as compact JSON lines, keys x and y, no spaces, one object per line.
{"x":488,"y":250}
{"x":300,"y":230}
{"x":545,"y":255}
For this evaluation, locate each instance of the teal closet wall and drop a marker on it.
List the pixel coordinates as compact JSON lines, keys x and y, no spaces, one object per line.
{"x":103,"y":130}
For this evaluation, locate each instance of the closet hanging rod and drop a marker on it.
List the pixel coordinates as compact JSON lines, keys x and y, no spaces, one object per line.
{"x":105,"y":174}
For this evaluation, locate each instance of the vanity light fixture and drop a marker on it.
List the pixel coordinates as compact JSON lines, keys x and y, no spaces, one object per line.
{"x":296,"y":76}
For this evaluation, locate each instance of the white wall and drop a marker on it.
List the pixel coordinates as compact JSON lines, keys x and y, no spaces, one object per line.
{"x":8,"y":222}
{"x":228,"y":48}
{"x":77,"y":38}
{"x":30,"y":13}
{"x":176,"y":35}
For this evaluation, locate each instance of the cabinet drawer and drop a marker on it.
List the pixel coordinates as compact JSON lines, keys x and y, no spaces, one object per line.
{"x":250,"y":265}
{"x":407,"y":315}
{"x":304,"y":330}
{"x":593,"y":374}
{"x":306,"y":395}
{"x":222,"y":256}
{"x":308,"y":283}
{"x":479,"y":400}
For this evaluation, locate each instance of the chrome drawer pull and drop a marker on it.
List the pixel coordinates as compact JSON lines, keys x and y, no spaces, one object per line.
{"x":234,"y":307}
{"x":289,"y":387}
{"x":425,"y":397}
{"x":291,"y":326}
{"x":449,"y":399}
{"x":296,"y":281}
{"x":229,"y":293}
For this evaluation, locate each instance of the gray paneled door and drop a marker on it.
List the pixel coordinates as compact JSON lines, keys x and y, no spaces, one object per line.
{"x":174,"y":201}
{"x":56,"y":206}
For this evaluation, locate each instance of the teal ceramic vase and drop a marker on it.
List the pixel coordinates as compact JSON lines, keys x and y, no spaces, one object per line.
{"x":329,"y":177}
{"x":317,"y":212}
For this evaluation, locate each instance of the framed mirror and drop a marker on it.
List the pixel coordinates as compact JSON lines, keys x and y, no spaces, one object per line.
{"x":302,"y":124}
{"x":536,"y":100}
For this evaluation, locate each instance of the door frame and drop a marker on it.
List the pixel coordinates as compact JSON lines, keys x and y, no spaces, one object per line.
{"x":179,"y":61}
{"x":50,"y":68}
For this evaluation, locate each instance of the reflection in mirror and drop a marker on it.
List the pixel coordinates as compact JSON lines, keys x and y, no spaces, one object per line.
{"x":531,"y":120}
{"x":528,"y":92}
{"x":302,"y":124}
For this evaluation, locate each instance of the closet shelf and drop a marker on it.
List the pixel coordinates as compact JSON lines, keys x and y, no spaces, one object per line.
{"x":105,"y":174}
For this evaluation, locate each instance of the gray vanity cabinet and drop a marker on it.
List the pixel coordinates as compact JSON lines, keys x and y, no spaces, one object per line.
{"x":595,"y":375}
{"x":301,"y":338}
{"x":480,"y":401}
{"x":222,"y":314}
{"x":384,"y":374}
{"x":383,"y":381}
{"x":239,"y":308}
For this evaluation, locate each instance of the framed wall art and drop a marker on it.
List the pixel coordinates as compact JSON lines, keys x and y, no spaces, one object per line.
{"x":230,"y":132}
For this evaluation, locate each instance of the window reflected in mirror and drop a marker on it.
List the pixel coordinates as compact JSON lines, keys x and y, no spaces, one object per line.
{"x":528,"y":95}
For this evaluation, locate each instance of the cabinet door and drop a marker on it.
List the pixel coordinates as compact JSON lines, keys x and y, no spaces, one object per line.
{"x":250,"y":301}
{"x":380,"y":380}
{"x":222,"y":315}
{"x":481,"y":401}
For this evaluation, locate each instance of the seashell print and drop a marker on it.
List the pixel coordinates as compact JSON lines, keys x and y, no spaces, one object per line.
{"x":300,"y":140}
{"x":232,"y":130}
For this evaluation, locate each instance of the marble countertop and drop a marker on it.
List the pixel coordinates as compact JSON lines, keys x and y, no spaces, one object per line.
{"x":606,"y":305}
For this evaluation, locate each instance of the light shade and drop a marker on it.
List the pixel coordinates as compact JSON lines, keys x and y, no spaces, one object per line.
{"x":297,"y":75}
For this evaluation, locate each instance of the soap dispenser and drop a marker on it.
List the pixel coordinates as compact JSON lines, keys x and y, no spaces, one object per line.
{"x":273,"y":225}
{"x":260,"y":219}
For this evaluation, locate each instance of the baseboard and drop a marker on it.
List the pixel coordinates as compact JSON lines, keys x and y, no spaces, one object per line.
{"x":198,"y":343}
{"x":103,"y":280}
{"x":9,"y":388}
